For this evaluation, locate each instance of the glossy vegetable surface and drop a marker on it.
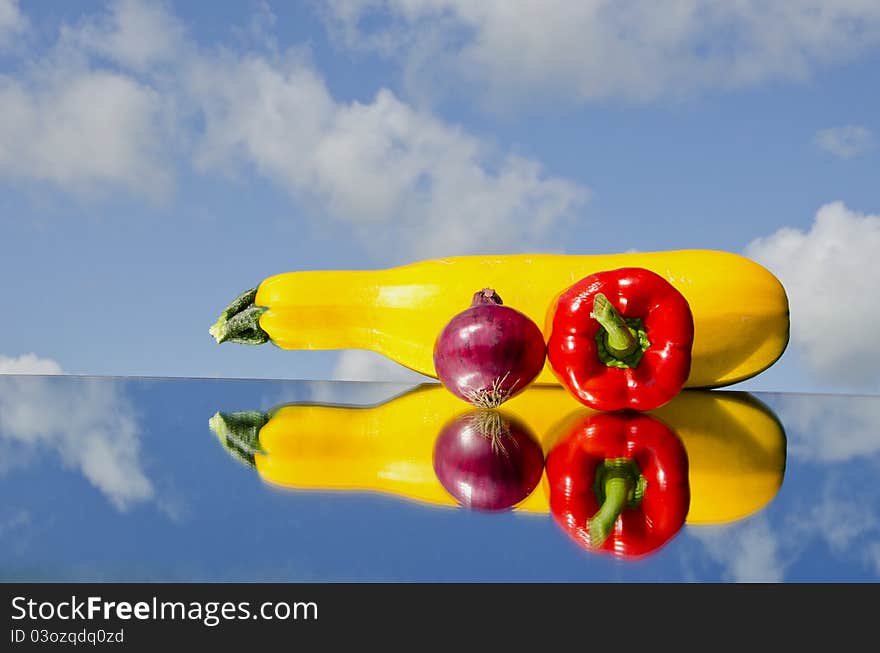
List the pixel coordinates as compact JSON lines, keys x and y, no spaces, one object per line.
{"x":735,"y":445}
{"x":489,"y":352}
{"x":740,"y":309}
{"x":621,"y":339}
{"x":619,"y":483}
{"x":488,"y":461}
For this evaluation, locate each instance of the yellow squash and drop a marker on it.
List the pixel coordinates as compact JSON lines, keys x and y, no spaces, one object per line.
{"x":735,"y":446}
{"x":740,"y":309}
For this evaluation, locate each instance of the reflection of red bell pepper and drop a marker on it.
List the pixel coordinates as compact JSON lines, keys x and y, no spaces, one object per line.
{"x":619,"y":483}
{"x":622,"y":339}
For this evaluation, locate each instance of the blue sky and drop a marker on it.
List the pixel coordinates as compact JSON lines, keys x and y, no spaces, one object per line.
{"x":157,"y":158}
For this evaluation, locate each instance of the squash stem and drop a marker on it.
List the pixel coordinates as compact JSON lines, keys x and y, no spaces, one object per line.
{"x":240,"y":321}
{"x":239,"y":433}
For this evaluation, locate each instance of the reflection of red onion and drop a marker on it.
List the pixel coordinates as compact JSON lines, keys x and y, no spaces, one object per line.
{"x":488,"y":461}
{"x":489,"y":352}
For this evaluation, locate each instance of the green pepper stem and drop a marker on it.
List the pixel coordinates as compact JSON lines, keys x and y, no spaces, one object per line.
{"x":240,"y":321}
{"x":618,"y":484}
{"x":617,"y":489}
{"x":622,"y":341}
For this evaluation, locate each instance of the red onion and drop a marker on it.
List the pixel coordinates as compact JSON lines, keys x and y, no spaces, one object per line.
{"x":489,"y":352}
{"x":488,"y":461}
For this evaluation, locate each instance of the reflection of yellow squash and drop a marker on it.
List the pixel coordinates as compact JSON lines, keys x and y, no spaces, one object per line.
{"x":736,"y":453}
{"x":740,"y":309}
{"x":735,"y":445}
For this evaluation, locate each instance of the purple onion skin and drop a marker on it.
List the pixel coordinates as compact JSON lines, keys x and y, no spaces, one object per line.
{"x":483,"y":472}
{"x":489,"y":352}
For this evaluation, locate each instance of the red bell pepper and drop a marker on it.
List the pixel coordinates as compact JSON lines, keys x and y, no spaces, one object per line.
{"x":619,"y":483}
{"x":621,"y":339}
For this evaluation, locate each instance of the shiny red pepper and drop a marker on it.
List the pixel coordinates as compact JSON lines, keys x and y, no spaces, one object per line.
{"x":621,"y":339}
{"x":619,"y":483}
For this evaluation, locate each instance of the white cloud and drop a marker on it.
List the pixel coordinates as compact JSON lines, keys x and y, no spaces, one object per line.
{"x":846,"y":141}
{"x":749,"y":552}
{"x":848,"y":526}
{"x":12,"y":21}
{"x":403,"y":179}
{"x":362,"y":365}
{"x":72,"y":120}
{"x":579,"y":51}
{"x":830,"y":429}
{"x":87,"y":423}
{"x":28,"y":364}
{"x":133,"y":33}
{"x":831,"y":275}
{"x":842,"y":523}
{"x":86,"y":131}
{"x":384,"y":379}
